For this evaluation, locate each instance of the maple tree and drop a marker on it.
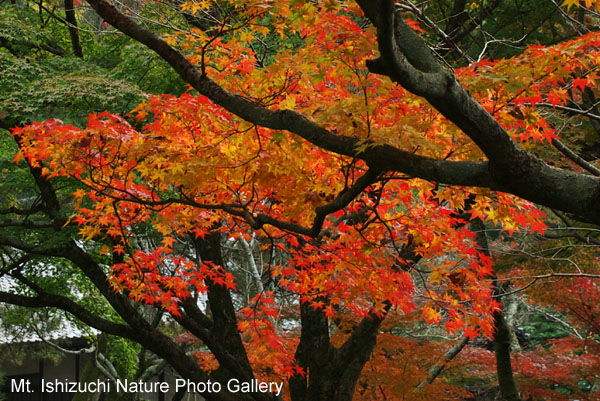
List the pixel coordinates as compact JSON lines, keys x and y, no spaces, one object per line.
{"x":561,"y":360}
{"x":331,"y":133}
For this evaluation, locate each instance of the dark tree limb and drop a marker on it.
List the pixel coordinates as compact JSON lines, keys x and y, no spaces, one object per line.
{"x":458,"y":28}
{"x":21,"y":212}
{"x":202,"y":329}
{"x":314,"y":354}
{"x":44,"y":299}
{"x":73,"y":30}
{"x":49,"y":46}
{"x":451,"y":45}
{"x":408,"y":61}
{"x":501,"y":339}
{"x":458,"y":16}
{"x":352,"y":356}
{"x":513,"y":169}
{"x":437,"y":369}
{"x":564,"y":149}
{"x":51,"y":205}
{"x":224,"y":336}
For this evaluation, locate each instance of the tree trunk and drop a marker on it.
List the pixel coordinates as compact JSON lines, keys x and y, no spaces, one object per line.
{"x":89,"y":374}
{"x":506,"y":381}
{"x":501,"y":340}
{"x":331,"y":373}
{"x":73,"y":30}
{"x":510,"y":313}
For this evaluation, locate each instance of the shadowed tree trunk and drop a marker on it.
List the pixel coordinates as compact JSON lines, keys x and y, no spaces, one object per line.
{"x":501,"y":340}
{"x":331,"y":373}
{"x":510,"y":314}
{"x":73,"y":30}
{"x":506,"y":381}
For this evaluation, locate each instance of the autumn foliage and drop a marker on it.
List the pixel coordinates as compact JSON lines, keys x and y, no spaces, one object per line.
{"x":358,"y":240}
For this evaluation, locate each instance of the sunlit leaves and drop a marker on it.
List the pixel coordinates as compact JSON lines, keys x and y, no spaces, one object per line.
{"x":513,"y":90}
{"x":577,"y":3}
{"x":194,"y":166}
{"x":181,"y":167}
{"x":268,"y":350}
{"x":393,"y":357}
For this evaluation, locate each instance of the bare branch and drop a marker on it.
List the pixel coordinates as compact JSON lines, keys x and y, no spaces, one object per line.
{"x":575,"y":157}
{"x":436,"y":369}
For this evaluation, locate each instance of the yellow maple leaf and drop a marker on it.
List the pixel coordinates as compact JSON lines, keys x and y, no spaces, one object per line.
{"x":571,"y":3}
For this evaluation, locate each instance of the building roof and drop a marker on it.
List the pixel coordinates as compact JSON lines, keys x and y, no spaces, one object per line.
{"x":28,"y":334}
{"x":53,"y":328}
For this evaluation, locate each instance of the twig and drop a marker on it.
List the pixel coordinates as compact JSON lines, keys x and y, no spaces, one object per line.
{"x":436,"y":369}
{"x":575,"y":157}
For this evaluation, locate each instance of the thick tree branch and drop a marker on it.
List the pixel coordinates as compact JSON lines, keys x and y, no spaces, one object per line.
{"x":458,"y":16}
{"x":50,"y":47}
{"x":414,"y":66}
{"x":73,"y":31}
{"x":510,"y":168}
{"x":29,"y":224}
{"x":452,"y":46}
{"x":51,"y":205}
{"x":21,"y":212}
{"x":501,"y":340}
{"x":314,"y":354}
{"x":388,"y":157}
{"x":575,"y":157}
{"x":224,"y":335}
{"x":44,"y":299}
{"x":351,"y":357}
{"x":437,"y":369}
{"x":457,"y":27}
{"x":203,"y":328}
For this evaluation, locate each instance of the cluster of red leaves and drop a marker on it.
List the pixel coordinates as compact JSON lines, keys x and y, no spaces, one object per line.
{"x":554,"y":371}
{"x":514,"y":90}
{"x":161,"y":280}
{"x":399,"y":357}
{"x":194,"y":166}
{"x":152,"y":177}
{"x":269,"y":352}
